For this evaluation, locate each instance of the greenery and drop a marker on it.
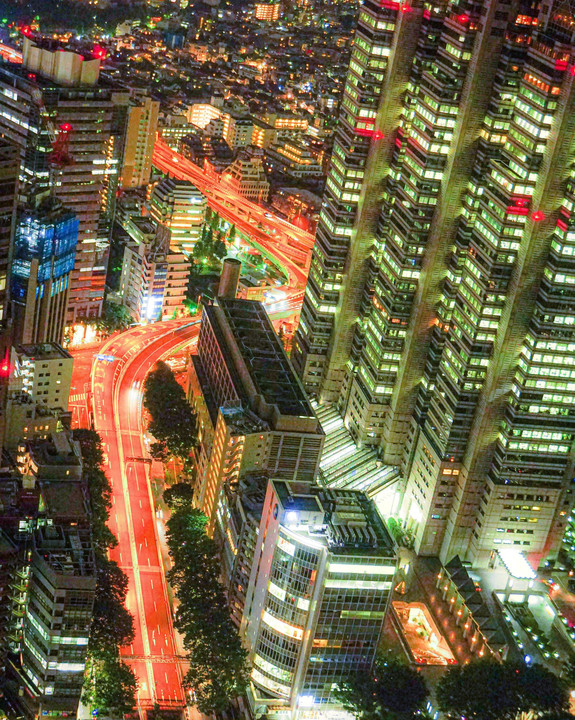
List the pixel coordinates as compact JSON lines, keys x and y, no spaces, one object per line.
{"x":110,"y":684}
{"x":99,"y":489}
{"x":114,"y":317}
{"x":393,"y":691}
{"x":179,"y":495}
{"x":113,"y":689}
{"x":173,"y":422}
{"x":490,"y":690}
{"x":210,"y":248}
{"x":112,"y":624}
{"x":217,"y":671}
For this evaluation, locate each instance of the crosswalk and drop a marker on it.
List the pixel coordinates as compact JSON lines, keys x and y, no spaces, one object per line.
{"x":80,"y":397}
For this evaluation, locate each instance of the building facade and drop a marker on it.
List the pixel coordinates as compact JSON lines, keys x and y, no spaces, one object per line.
{"x":43,"y":261}
{"x":319,"y":589}
{"x":438,"y":309}
{"x":179,"y":206}
{"x":37,"y":392}
{"x":154,"y":280}
{"x":9,"y":171}
{"x":253,"y":413}
{"x":56,"y":625}
{"x":141,"y":130}
{"x":247,"y":177}
{"x":68,"y":124}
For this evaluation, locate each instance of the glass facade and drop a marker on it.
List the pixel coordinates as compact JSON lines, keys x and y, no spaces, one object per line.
{"x":323,"y":587}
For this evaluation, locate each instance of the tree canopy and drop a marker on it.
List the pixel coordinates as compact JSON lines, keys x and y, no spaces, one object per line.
{"x":173,"y":422}
{"x":113,"y":691}
{"x":110,"y":685}
{"x":179,"y":495}
{"x":490,"y":690}
{"x":114,"y":317}
{"x":112,"y":624}
{"x":99,"y":488}
{"x":217,"y":671}
{"x":393,"y":691}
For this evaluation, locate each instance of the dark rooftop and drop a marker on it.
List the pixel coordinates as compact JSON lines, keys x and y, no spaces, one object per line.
{"x":265,"y":358}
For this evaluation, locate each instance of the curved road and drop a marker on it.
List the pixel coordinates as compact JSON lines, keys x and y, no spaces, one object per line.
{"x":118,"y":419}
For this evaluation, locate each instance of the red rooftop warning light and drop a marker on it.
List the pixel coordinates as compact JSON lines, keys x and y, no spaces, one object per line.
{"x":538,"y":216}
{"x":5,"y":366}
{"x":463,"y":19}
{"x":99,"y":52}
{"x":377,"y":135}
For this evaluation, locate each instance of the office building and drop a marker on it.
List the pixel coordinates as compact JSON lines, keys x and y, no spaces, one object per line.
{"x":38,"y":392}
{"x":43,"y":261}
{"x":68,"y":123}
{"x":247,"y":176}
{"x":56,"y":625}
{"x":154,"y":280}
{"x":179,"y":206}
{"x":253,"y":413}
{"x":9,"y":170}
{"x":439,"y":309}
{"x":319,"y":589}
{"x":141,"y":129}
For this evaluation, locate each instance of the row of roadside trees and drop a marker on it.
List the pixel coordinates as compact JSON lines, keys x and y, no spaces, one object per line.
{"x":110,"y":685}
{"x":217,"y":661}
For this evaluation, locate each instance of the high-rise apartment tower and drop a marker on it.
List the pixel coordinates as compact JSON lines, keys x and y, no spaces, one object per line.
{"x":68,"y":123}
{"x":440,"y":309}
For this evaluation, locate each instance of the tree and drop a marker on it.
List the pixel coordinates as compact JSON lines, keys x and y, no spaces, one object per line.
{"x":179,"y":495}
{"x":112,"y":688}
{"x":110,"y":685}
{"x":394,"y":691}
{"x":99,"y":488}
{"x":217,"y":661}
{"x":114,"y":317}
{"x":112,"y":624}
{"x":219,"y":249}
{"x":489,"y":690}
{"x":173,"y":422}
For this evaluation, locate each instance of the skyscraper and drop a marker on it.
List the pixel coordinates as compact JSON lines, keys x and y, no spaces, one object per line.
{"x":440,"y":307}
{"x":44,"y":253}
{"x":69,"y":124}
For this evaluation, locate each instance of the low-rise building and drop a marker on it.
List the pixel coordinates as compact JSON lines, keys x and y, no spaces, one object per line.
{"x":247,"y":176}
{"x":37,"y":392}
{"x":294,"y":159}
{"x":267,"y":11}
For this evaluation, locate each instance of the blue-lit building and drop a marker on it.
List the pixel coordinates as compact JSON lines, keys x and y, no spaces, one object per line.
{"x":44,"y":255}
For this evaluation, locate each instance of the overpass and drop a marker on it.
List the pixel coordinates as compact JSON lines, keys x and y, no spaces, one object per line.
{"x":286,"y":246}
